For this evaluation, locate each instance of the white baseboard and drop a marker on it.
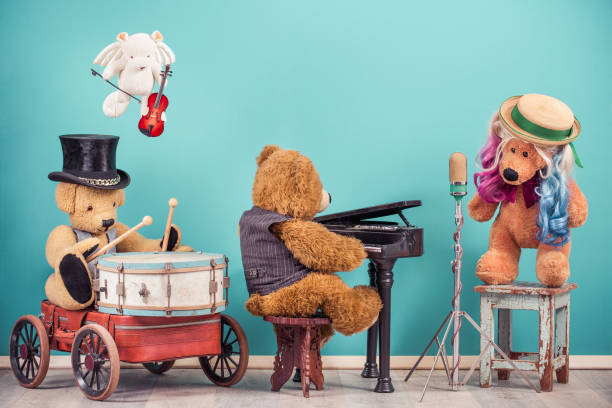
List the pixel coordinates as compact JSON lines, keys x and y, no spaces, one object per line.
{"x":577,"y":362}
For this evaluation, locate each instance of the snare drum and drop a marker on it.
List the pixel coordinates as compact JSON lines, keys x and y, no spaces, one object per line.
{"x":161,"y":283}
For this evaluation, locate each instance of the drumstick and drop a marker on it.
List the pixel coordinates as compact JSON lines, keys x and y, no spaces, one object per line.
{"x":172,"y":203}
{"x":146,"y":220}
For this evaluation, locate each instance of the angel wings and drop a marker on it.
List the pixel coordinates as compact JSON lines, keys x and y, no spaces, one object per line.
{"x":137,"y":59}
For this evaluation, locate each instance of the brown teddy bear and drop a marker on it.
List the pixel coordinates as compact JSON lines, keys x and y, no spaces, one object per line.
{"x":527,"y":162}
{"x":289,"y":261}
{"x":90,"y":191}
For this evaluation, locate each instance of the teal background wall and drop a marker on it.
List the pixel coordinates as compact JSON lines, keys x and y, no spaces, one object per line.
{"x":377,"y":93}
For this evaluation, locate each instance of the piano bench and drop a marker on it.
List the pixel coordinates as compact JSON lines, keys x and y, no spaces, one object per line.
{"x":299,"y":345}
{"x":553,"y":306}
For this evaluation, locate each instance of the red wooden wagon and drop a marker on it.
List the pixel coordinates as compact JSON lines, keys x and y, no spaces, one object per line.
{"x":97,"y":342}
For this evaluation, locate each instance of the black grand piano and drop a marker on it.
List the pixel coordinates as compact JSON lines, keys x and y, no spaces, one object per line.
{"x":385,"y":242}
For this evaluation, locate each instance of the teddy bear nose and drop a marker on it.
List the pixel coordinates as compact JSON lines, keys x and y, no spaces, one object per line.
{"x":510,"y":174}
{"x":107,"y":223}
{"x":329,"y":197}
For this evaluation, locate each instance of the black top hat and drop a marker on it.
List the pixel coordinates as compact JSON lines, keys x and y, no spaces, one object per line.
{"x":90,"y":160}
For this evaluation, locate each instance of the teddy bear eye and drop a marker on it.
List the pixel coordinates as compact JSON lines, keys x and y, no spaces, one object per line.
{"x":131,"y":56}
{"x":525,"y":154}
{"x":513,"y":150}
{"x":114,"y":204}
{"x":89,"y":207}
{"x":148,"y":56}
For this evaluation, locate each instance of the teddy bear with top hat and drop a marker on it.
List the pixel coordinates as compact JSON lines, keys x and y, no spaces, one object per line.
{"x":90,"y":191}
{"x":527,"y":163}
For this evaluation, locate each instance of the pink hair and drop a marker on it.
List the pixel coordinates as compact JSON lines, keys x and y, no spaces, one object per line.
{"x":491,"y":187}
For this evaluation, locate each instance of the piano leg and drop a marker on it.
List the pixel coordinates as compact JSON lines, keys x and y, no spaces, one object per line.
{"x":384,"y":281}
{"x":370,"y":369}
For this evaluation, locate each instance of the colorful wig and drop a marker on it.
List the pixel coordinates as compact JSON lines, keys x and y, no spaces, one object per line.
{"x":551,"y":185}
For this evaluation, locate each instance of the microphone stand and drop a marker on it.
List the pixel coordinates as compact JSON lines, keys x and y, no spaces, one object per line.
{"x":458,"y":190}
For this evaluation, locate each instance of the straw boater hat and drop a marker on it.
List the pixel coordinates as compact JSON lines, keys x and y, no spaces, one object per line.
{"x":540,"y":119}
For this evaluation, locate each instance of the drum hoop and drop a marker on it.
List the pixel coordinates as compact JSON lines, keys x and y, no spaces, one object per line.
{"x":162,"y":271}
{"x":157,"y":308}
{"x":120,"y":257}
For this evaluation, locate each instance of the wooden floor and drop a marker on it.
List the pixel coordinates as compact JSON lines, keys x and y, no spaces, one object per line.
{"x":185,"y":388}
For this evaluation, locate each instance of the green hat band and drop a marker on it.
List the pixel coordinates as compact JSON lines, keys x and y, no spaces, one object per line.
{"x":537,"y":130}
{"x":544,"y":133}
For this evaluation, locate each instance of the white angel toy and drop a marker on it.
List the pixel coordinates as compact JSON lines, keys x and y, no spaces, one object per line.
{"x":137,"y":58}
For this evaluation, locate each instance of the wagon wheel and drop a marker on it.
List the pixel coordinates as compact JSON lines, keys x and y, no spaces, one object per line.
{"x":95,"y":362}
{"x":159,"y":367}
{"x":29,"y":351}
{"x":228,"y":367}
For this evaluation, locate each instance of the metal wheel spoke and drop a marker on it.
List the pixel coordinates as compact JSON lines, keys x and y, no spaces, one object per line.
{"x":86,"y":374}
{"x":98,"y":345}
{"x":29,"y":367}
{"x":35,"y":339}
{"x":23,"y":365}
{"x":236,"y":352}
{"x":232,"y":360}
{"x":91,"y":342}
{"x":35,"y":363}
{"x":103,"y":371}
{"x":27,"y":333}
{"x":227,"y":335}
{"x":97,"y":373}
{"x":20,"y":333}
{"x":222,"y":369}
{"x":216,"y":364}
{"x":233,"y":341}
{"x":228,"y":367}
{"x":91,"y":380}
{"x":84,"y":341}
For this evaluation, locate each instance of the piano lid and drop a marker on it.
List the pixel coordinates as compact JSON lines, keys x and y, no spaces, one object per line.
{"x":377,"y":211}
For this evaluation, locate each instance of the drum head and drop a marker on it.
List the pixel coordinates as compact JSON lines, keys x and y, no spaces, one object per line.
{"x":158,"y":260}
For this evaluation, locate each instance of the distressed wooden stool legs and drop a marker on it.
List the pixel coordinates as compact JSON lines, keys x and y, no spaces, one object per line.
{"x":552,"y":305}
{"x":504,"y":338}
{"x":298,"y":341}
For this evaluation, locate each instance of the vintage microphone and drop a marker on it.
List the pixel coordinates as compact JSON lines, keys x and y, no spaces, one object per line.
{"x":457,"y":171}
{"x":457,"y":167}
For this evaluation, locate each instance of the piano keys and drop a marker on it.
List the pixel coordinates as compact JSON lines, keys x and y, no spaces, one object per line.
{"x":384,"y":242}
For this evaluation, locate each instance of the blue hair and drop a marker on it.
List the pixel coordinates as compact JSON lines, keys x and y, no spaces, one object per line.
{"x":554,"y":197}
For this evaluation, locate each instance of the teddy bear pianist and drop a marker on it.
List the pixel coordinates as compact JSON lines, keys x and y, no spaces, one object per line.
{"x":90,"y":190}
{"x":289,"y":260}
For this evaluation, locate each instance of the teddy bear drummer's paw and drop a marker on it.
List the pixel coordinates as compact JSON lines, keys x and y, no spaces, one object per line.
{"x":72,"y":273}
{"x":174,"y":240}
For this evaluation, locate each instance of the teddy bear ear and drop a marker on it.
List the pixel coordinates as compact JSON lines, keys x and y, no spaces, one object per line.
{"x":65,"y":196}
{"x":157,"y":36}
{"x":122,"y":36}
{"x":120,"y":198}
{"x":266,"y":152}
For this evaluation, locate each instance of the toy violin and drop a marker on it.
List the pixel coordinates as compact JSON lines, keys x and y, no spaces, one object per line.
{"x":152,"y":124}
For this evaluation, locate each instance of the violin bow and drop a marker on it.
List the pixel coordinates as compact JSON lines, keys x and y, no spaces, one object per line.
{"x":96,"y":73}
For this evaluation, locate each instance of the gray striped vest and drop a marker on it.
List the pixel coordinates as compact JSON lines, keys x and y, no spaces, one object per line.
{"x":268,"y":264}
{"x":83,"y":235}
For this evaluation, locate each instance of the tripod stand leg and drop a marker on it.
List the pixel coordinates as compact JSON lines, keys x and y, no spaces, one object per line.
{"x":436,"y":359}
{"x":468,"y":375}
{"x":444,"y":360}
{"x":414,"y":367}
{"x":501,"y":352}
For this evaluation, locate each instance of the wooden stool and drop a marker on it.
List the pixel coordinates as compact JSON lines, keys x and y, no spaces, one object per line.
{"x":299,"y":345}
{"x":552,"y":304}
